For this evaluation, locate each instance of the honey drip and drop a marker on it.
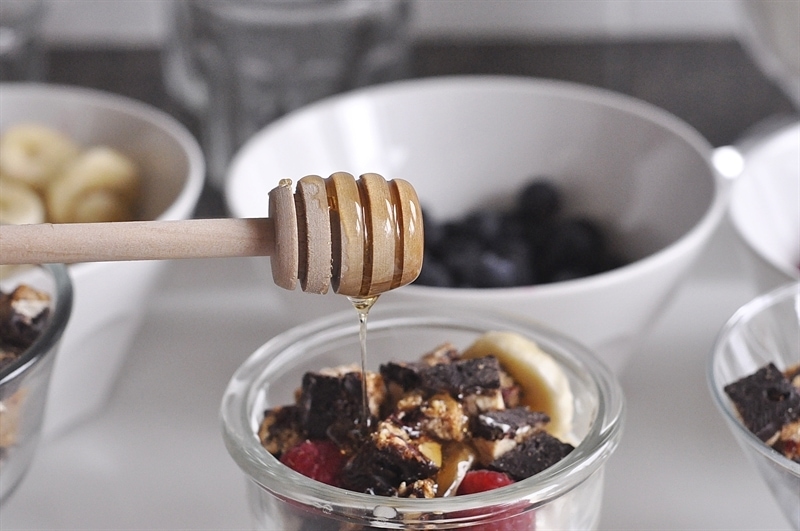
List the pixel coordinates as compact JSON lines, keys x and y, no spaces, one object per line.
{"x":362,"y":306}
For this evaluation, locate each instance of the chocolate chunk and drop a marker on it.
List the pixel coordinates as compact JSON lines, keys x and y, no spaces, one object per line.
{"x":326,"y":400}
{"x":462,"y":377}
{"x":506,"y":423}
{"x":406,"y":375}
{"x":536,"y":453}
{"x":765,"y":401}
{"x":388,"y":459}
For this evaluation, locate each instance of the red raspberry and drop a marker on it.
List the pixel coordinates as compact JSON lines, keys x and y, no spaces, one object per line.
{"x":482,"y":480}
{"x":321,"y":460}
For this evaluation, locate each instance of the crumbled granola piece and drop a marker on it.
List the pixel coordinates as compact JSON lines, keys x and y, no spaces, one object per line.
{"x":280,"y":429}
{"x":422,"y":488}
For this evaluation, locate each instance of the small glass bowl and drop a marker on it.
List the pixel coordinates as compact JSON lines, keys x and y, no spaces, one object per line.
{"x":24,"y":383}
{"x":567,"y":495}
{"x":766,"y":329}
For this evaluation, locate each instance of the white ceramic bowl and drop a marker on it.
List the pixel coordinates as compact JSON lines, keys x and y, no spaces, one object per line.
{"x":466,"y":142}
{"x":765,"y":209}
{"x":110,"y":297}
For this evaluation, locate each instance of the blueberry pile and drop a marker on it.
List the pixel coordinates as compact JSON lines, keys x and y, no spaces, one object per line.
{"x":534,"y":243}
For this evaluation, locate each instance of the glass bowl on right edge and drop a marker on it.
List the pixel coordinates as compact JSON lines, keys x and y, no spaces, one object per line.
{"x":763,"y":331}
{"x":567,"y":495}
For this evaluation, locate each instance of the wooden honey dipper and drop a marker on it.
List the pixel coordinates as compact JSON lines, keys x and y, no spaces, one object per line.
{"x":362,"y":237}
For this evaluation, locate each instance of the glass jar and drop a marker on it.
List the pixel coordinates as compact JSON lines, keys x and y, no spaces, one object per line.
{"x":567,"y":495}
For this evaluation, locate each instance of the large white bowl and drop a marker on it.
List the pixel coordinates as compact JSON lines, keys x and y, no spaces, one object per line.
{"x":466,"y":142}
{"x":110,"y":297}
{"x":765,"y":209}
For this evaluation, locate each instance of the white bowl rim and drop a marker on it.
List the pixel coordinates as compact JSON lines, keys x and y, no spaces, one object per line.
{"x":622,"y":102}
{"x":760,"y":150}
{"x":195,"y":179}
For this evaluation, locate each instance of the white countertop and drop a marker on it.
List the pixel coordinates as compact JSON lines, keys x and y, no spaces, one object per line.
{"x":154,"y":458}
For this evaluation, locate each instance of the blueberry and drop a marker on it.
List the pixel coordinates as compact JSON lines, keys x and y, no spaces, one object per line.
{"x":434,"y":230}
{"x":495,"y":271}
{"x":460,"y":257}
{"x":486,"y":225}
{"x":575,"y":248}
{"x":539,"y":200}
{"x":434,"y":273}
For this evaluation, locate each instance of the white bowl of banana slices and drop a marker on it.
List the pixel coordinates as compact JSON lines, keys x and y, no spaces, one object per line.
{"x":71,"y":154}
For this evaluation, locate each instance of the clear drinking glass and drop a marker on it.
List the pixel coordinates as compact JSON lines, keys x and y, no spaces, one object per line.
{"x":24,"y":383}
{"x":567,"y":495}
{"x":21,"y":49}
{"x":240,"y":64}
{"x":767,"y":329}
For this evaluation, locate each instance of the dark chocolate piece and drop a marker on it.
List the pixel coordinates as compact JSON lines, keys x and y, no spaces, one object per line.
{"x":765,"y":401}
{"x":462,"y":377}
{"x":406,"y":375}
{"x":327,"y":400}
{"x":536,"y":453}
{"x":385,"y":461}
{"x":505,"y":423}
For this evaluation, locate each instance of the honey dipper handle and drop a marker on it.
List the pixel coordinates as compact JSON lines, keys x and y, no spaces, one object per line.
{"x":136,"y":240}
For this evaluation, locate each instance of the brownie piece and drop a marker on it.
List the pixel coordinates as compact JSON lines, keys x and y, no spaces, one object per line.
{"x":765,"y":400}
{"x":507,"y":423}
{"x":405,"y":375}
{"x":331,"y":405}
{"x":462,"y":377}
{"x":536,"y":453}
{"x":387,"y":460}
{"x":500,"y":431}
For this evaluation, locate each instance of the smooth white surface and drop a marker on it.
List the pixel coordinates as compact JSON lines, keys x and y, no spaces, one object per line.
{"x":110,"y":296}
{"x":765,"y":207}
{"x":155,"y":460}
{"x":472,"y":142}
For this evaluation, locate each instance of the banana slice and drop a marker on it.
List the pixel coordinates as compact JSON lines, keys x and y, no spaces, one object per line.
{"x":19,"y":204}
{"x":35,"y":154}
{"x":545,"y":386}
{"x":100,"y":185}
